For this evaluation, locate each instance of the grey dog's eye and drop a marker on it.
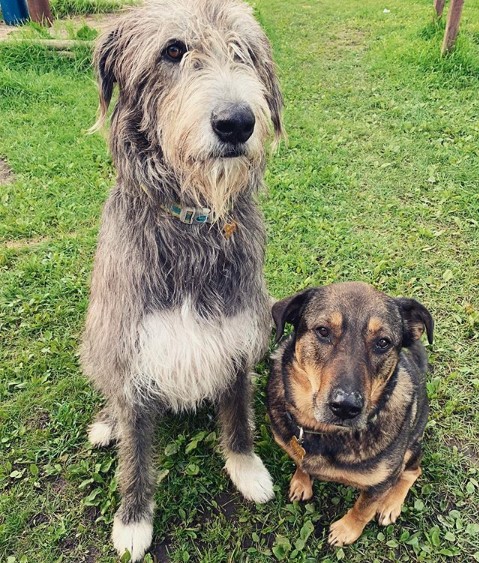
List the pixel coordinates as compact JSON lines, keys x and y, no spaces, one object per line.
{"x":175,"y":51}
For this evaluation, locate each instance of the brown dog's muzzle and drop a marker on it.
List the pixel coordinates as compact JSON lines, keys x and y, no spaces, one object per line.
{"x":345,"y":404}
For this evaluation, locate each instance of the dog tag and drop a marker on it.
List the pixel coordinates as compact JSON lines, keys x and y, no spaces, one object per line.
{"x":297,"y":448}
{"x":229,"y":229}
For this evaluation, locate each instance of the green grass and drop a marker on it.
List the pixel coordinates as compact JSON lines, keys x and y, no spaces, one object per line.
{"x":63,"y":8}
{"x":378,"y":183}
{"x":67,"y":8}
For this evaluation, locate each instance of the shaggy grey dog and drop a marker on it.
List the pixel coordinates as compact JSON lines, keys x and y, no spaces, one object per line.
{"x":179,"y":313}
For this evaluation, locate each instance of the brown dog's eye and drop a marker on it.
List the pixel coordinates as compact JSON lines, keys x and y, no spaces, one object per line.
{"x":175,"y":51}
{"x":383,"y":344}
{"x":323,"y":332}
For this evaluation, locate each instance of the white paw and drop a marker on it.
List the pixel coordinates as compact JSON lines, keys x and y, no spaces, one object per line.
{"x":250,"y":477}
{"x":135,"y":537}
{"x":100,"y":434}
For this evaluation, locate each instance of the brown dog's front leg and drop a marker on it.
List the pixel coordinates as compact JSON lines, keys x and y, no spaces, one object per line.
{"x":390,"y":506}
{"x":348,"y":529}
{"x":301,"y":486}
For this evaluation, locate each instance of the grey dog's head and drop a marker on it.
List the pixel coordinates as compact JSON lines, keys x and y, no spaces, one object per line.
{"x":198,"y":96}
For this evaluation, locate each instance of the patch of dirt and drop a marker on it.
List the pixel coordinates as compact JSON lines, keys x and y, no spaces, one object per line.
{"x":470,"y":452}
{"x":227,"y":504}
{"x":91,"y":513}
{"x":41,"y":420}
{"x":6,"y":30}
{"x":349,"y":38}
{"x":59,"y":484}
{"x":92,"y":555}
{"x":25,"y":243}
{"x":6,"y":175}
{"x":68,"y":544}
{"x":38,"y":519}
{"x":161,"y":552}
{"x":268,"y":539}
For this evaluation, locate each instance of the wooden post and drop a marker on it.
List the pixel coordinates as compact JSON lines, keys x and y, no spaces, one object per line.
{"x":439,"y":7}
{"x":40,"y":12}
{"x":452,"y":26}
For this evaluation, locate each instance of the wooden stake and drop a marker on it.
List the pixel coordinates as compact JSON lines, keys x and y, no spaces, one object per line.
{"x":452,"y":26}
{"x":40,"y":12}
{"x":439,"y":7}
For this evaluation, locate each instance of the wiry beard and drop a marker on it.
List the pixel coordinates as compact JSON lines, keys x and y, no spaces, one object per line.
{"x":191,"y":148}
{"x":217,"y":182}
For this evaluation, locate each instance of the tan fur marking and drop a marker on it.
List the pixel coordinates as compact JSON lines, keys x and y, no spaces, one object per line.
{"x":305,"y":376}
{"x":402,"y":394}
{"x":417,"y":330}
{"x":302,"y":391}
{"x":356,"y":479}
{"x":375,"y":325}
{"x":377,"y":385}
{"x":336,"y":321}
{"x":348,"y":529}
{"x":301,"y":486}
{"x":390,"y":507}
{"x":407,"y":457}
{"x":327,"y":380}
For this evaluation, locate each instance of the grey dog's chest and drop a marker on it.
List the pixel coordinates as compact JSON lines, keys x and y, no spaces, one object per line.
{"x":184,"y":360}
{"x":218,"y":272}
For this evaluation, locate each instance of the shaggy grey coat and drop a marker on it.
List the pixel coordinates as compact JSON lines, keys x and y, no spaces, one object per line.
{"x":179,"y":313}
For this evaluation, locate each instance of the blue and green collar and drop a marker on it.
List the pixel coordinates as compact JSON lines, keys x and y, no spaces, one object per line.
{"x":189,"y":215}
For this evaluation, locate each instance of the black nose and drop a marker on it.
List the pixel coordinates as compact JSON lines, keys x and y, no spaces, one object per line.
{"x":345,"y":405}
{"x":233,"y":125}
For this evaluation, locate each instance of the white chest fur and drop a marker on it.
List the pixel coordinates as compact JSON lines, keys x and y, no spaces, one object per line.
{"x":184,"y":359}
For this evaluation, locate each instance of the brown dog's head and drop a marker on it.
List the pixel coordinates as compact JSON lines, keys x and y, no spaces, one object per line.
{"x":347,"y":341}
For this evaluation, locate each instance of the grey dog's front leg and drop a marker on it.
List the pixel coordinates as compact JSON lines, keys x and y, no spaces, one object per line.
{"x":236,"y":416}
{"x":133,"y":524}
{"x":245,"y":468}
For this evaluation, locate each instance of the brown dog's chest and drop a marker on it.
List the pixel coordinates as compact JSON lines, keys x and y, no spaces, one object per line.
{"x":350,"y":460}
{"x":354,"y":475}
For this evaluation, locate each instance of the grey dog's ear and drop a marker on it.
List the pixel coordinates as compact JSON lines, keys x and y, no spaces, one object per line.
{"x":415,"y":317}
{"x":263,"y":61}
{"x":289,"y":310}
{"x":104,"y":60}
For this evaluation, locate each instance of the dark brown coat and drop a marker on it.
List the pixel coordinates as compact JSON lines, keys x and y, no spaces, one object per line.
{"x":347,"y":397}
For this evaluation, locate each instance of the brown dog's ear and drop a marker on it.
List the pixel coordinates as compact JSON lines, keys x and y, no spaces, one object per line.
{"x":289,"y":310}
{"x":415,"y":317}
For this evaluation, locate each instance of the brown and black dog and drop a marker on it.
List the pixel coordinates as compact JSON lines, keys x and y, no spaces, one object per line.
{"x":347,"y":396}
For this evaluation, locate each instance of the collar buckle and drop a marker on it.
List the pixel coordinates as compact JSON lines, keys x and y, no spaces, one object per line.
{"x":301,"y":434}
